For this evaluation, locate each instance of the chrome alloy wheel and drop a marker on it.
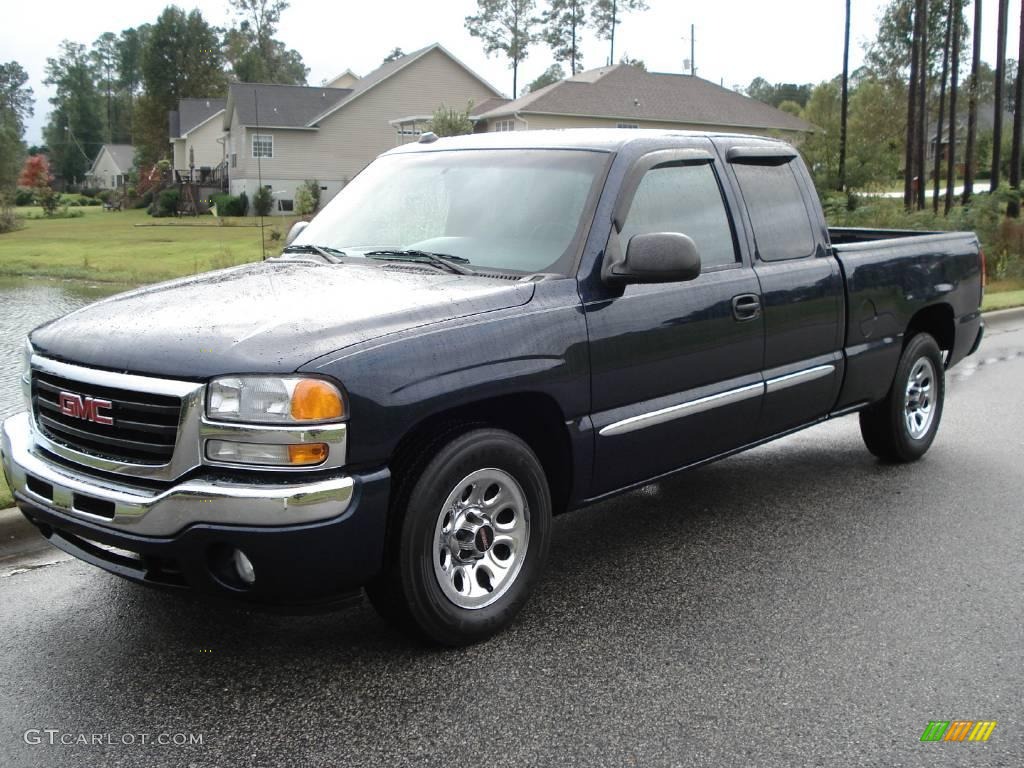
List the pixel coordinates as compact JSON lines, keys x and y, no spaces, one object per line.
{"x":481,"y":537}
{"x":919,"y":399}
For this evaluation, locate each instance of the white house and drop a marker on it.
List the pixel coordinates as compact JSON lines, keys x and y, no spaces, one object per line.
{"x":281,"y":135}
{"x":111,"y":167}
{"x":197,"y":133}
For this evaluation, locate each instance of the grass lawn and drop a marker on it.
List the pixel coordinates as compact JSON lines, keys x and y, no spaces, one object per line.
{"x":106,"y":246}
{"x":5,"y":494}
{"x":1002,"y":300}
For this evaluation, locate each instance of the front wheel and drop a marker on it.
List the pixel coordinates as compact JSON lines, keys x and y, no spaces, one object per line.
{"x":901,"y":428}
{"x":469,"y":538}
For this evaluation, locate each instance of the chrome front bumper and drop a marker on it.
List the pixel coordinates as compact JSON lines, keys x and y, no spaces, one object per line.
{"x":148,"y":512}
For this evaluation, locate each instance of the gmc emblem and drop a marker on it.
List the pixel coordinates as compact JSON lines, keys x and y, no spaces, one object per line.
{"x":85,"y":408}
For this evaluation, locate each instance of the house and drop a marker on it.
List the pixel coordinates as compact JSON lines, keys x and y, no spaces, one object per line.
{"x":197,"y":137}
{"x":624,"y":96}
{"x":986,"y":127}
{"x":111,"y":167}
{"x":281,"y":135}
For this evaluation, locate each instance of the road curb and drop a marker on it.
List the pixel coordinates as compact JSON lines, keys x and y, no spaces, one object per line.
{"x":1000,"y":316}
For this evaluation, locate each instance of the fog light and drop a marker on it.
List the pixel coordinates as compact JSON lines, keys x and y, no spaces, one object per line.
{"x":243,"y":567}
{"x":306,"y":454}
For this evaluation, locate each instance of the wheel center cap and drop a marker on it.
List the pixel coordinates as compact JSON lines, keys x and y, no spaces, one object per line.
{"x":484,"y":538}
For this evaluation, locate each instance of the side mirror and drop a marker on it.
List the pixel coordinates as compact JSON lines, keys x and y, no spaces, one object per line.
{"x":295,"y":231}
{"x":658,"y":257}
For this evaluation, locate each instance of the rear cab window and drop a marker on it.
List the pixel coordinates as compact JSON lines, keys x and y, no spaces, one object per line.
{"x":777,"y":211}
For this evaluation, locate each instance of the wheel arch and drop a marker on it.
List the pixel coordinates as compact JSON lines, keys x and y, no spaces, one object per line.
{"x":534,"y":417}
{"x":938,"y":321}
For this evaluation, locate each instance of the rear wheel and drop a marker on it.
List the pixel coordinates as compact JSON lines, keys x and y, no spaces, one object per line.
{"x":901,"y":428}
{"x":469,"y":538}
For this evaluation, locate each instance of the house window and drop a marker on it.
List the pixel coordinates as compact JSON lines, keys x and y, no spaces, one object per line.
{"x":505,"y":125}
{"x":234,"y":160}
{"x":119,"y":180}
{"x":262,"y":145}
{"x":627,"y":125}
{"x":286,"y":205}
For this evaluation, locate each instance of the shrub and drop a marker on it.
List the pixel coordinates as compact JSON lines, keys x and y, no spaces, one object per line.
{"x":90,"y":192}
{"x":24,"y":196}
{"x":145,"y":201}
{"x":167,"y":203}
{"x":47,"y":199}
{"x":243,"y":201}
{"x":230,"y":205}
{"x":314,"y":190}
{"x":262,"y":201}
{"x":304,"y":204}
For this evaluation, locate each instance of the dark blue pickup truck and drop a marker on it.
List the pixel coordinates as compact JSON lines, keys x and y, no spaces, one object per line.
{"x":477,"y":334}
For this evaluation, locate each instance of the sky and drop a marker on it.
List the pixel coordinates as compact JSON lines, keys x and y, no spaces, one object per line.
{"x":795,"y":41}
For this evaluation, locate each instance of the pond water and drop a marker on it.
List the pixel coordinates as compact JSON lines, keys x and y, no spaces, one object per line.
{"x":24,"y":304}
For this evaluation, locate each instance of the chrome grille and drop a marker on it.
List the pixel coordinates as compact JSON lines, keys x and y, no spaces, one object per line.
{"x":144,"y":429}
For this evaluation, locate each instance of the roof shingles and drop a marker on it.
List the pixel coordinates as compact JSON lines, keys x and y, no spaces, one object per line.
{"x":627,"y":92}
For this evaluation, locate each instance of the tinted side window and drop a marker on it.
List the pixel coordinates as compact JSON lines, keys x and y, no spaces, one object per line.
{"x":777,"y":212}
{"x":687,"y":199}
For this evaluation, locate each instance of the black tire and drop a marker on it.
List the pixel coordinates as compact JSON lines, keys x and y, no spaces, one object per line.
{"x":409,"y":593}
{"x":884,"y":425}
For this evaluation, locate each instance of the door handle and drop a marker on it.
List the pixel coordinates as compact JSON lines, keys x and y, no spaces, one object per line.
{"x":746,"y":306}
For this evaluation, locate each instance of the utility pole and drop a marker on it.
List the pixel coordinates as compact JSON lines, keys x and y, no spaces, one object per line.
{"x":693,"y":51}
{"x":846,"y":101}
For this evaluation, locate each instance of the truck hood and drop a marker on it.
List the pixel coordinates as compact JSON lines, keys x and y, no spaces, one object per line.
{"x":270,"y":317}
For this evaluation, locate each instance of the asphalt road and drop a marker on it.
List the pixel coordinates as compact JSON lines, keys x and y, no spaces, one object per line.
{"x":800,"y":604}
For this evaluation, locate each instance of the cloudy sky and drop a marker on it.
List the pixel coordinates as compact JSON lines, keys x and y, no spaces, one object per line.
{"x":736,"y":40}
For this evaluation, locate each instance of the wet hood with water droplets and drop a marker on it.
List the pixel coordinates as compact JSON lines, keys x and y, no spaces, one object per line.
{"x":264,"y":318}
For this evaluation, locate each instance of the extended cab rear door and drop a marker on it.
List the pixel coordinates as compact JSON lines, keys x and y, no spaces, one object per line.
{"x":800,"y":283}
{"x":676,"y":367}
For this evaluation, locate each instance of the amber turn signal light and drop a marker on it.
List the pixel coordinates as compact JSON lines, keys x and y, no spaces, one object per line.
{"x":307,"y":453}
{"x":316,"y":400}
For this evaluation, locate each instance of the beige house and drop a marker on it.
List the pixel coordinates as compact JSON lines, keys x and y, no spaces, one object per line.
{"x":197,"y":136}
{"x":281,"y":135}
{"x":624,"y":96}
{"x":111,"y":167}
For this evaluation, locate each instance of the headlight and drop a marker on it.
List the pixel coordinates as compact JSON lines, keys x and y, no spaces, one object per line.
{"x":273,"y":400}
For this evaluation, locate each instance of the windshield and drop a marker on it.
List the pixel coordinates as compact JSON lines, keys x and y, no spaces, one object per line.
{"x":511,"y":210}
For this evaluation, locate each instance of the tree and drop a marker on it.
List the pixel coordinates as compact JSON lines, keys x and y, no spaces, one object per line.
{"x":888,"y":56}
{"x":1018,"y":118}
{"x":764,"y":91}
{"x":845,"y":106}
{"x":262,"y":201}
{"x":75,"y":130}
{"x":630,"y":62}
{"x":790,"y":108}
{"x":552,"y":74}
{"x":255,"y":56}
{"x":997,"y":125}
{"x":396,"y":53}
{"x":915,"y":60}
{"x":35,"y":175}
{"x":563,"y":22}
{"x":451,"y":122}
{"x":957,"y":14}
{"x":942,"y":109}
{"x":606,"y":15}
{"x":15,"y":109}
{"x":972,"y":107}
{"x":821,"y":148}
{"x":505,"y":26}
{"x":129,"y":69}
{"x":104,"y":58}
{"x":182,"y":58}
{"x":875,"y":139}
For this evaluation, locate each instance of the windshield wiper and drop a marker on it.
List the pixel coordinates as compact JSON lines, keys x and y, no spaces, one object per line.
{"x":453,"y":263}
{"x":330,"y":255}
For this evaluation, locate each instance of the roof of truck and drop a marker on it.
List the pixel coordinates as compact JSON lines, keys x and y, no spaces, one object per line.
{"x":596,"y":139}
